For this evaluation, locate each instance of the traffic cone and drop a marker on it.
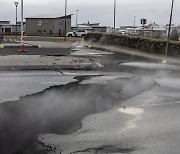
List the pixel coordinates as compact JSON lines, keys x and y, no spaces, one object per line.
{"x":22,"y":46}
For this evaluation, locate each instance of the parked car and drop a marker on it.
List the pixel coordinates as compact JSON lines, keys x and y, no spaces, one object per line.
{"x":80,"y":33}
{"x":77,"y":33}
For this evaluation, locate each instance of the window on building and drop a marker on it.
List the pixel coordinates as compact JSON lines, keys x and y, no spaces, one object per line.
{"x":45,"y":22}
{"x":44,"y":31}
{"x":50,"y":31}
{"x":39,"y":31}
{"x":8,"y":30}
{"x":39,"y":23}
{"x":59,"y":32}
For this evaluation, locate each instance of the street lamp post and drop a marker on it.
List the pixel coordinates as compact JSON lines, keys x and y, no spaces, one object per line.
{"x":169,"y":29}
{"x":16,"y":4}
{"x":22,"y":39}
{"x":22,"y":47}
{"x":77,"y":19}
{"x":65,"y":30}
{"x":114,"y":15}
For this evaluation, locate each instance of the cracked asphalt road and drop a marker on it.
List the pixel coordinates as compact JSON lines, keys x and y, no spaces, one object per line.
{"x":119,"y":109}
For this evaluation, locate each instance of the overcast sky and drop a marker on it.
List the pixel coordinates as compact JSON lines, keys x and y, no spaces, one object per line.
{"x":100,"y":11}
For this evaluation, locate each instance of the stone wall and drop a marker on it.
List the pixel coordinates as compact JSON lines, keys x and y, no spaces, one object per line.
{"x":140,"y":43}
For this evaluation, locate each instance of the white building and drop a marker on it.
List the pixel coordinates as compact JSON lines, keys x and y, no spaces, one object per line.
{"x":6,"y":28}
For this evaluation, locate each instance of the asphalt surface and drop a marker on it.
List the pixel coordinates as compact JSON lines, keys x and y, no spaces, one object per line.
{"x":131,"y":105}
{"x":22,"y":83}
{"x":37,"y":46}
{"x":31,"y":48}
{"x":36,"y":51}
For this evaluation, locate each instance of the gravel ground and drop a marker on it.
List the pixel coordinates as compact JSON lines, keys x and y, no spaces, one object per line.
{"x":29,"y":60}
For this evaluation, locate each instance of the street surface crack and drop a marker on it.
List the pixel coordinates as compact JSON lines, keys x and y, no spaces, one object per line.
{"x":107,"y":149}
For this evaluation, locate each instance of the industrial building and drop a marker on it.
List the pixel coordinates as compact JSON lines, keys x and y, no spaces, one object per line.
{"x":6,"y":28}
{"x":91,"y":27}
{"x":48,"y":25}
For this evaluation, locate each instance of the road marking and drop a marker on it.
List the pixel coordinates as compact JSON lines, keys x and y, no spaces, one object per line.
{"x":1,"y":46}
{"x":39,"y":46}
{"x":164,"y":61}
{"x":131,"y":110}
{"x":137,"y":112}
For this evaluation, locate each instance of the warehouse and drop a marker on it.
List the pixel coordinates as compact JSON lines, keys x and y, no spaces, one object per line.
{"x":48,"y":25}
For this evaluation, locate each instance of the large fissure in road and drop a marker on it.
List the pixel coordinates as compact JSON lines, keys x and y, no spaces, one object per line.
{"x":54,"y":110}
{"x":59,"y":108}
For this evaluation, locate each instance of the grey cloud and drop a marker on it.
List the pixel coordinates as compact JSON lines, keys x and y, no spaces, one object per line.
{"x":97,"y":10}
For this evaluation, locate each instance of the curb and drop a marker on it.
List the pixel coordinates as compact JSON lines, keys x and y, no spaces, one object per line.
{"x":80,"y":66}
{"x":18,"y":46}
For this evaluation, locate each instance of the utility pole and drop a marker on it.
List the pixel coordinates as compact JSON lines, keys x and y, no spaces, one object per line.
{"x":134,"y":25}
{"x":114,"y":16}
{"x":22,"y":22}
{"x":169,"y":29}
{"x":65,"y":30}
{"x":77,"y":19}
{"x":16,"y":4}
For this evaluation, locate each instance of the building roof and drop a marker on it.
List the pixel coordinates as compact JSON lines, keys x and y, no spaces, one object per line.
{"x":159,"y":28}
{"x":84,"y":27}
{"x":2,"y":22}
{"x":47,"y":16}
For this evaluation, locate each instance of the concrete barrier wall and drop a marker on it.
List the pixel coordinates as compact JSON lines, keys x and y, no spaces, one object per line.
{"x":140,"y":43}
